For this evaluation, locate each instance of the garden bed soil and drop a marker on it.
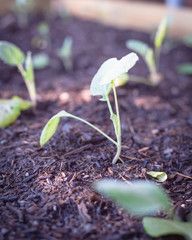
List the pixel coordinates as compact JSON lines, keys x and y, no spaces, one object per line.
{"x":46,"y":193}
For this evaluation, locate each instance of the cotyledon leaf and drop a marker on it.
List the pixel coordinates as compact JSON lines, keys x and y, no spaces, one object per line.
{"x":157,"y":227}
{"x":51,"y":126}
{"x":138,"y":46}
{"x":10,"y":109}
{"x":140,"y":197}
{"x":109,"y":71}
{"x":11,"y":54}
{"x":161,"y":32}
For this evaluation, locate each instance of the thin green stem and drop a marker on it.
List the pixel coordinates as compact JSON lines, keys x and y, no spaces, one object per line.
{"x":115,"y":159}
{"x":97,"y":129}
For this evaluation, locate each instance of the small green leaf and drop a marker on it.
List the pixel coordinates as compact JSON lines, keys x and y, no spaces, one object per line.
{"x":66,"y":49}
{"x":140,"y":198}
{"x":157,"y":227}
{"x":161,"y":32}
{"x":158,"y":176}
{"x":11,"y":54}
{"x":40,"y":61}
{"x":138,"y":46}
{"x":114,"y":118}
{"x":110,"y":70}
{"x":144,"y":50}
{"x":51,"y":127}
{"x":29,"y":77}
{"x":10,"y":109}
{"x":185,"y":68}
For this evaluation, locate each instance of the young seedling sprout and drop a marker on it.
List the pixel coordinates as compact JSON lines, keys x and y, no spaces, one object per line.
{"x":65,"y":53}
{"x":13,"y":56}
{"x":150,"y":56}
{"x":103,"y":82}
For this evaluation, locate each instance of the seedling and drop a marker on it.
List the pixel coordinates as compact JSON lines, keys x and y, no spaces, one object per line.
{"x":142,"y":199}
{"x":103,"y":82}
{"x":13,"y":56}
{"x":65,"y":53}
{"x":150,"y":56}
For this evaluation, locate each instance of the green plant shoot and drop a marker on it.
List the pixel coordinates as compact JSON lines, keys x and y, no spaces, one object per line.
{"x":103,"y":82}
{"x":65,"y":53}
{"x":150,"y":56}
{"x":142,"y":199}
{"x":12,"y":55}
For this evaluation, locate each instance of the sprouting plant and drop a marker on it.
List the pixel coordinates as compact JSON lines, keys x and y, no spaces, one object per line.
{"x":103,"y":82}
{"x":13,"y":56}
{"x":65,"y":53}
{"x":142,"y":199}
{"x":150,"y":56}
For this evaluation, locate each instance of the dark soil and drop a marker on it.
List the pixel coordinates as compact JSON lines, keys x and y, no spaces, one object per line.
{"x":46,"y":193}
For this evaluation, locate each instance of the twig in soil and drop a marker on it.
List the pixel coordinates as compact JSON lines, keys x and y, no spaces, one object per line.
{"x":79,"y":150}
{"x":182,"y":175}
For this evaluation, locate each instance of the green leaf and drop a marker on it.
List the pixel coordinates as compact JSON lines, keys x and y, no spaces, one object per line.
{"x":144,"y":50}
{"x":140,"y":198}
{"x":185,"y":68}
{"x":158,"y":176}
{"x":40,"y":61}
{"x":11,"y":54}
{"x":10,"y":109}
{"x":29,"y":77}
{"x":66,"y":49}
{"x":110,"y":70}
{"x":138,"y":46}
{"x":161,"y":32}
{"x":51,"y":127}
{"x":157,"y":227}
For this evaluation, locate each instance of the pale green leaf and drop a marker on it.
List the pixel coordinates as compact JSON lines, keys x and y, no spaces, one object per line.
{"x":109,"y":71}
{"x":51,"y":127}
{"x":158,"y":176}
{"x":23,"y":105}
{"x":150,"y":60}
{"x":40,"y":61}
{"x":66,"y":50}
{"x":29,"y":68}
{"x":11,"y":54}
{"x":140,"y":198}
{"x":138,"y":46}
{"x":10,"y":110}
{"x":161,"y":32}
{"x":185,"y":68}
{"x":157,"y":227}
{"x":29,"y":78}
